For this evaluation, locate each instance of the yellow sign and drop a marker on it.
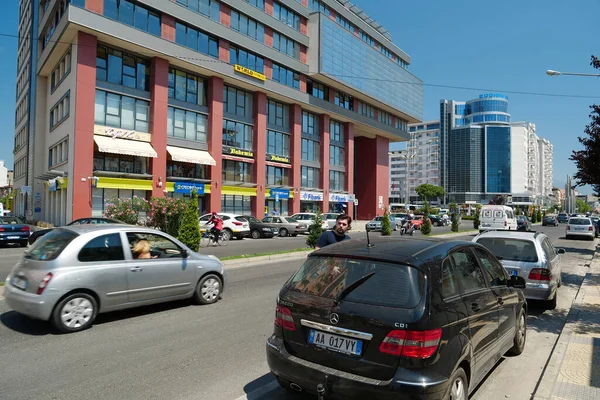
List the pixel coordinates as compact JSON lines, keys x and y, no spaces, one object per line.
{"x":249,"y":72}
{"x":237,"y":152}
{"x":281,"y":159}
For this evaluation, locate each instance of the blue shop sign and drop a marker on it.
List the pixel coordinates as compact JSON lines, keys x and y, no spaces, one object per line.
{"x":282,"y":194}
{"x":187,"y":187}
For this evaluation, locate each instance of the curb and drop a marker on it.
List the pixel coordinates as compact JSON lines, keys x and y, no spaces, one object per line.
{"x":254,"y":261}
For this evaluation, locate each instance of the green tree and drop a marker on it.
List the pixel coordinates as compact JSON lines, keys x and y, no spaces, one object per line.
{"x":476,"y":221}
{"x":455,"y":216}
{"x":315,"y":230}
{"x":125,"y":209}
{"x":189,"y":230}
{"x":426,"y":226}
{"x":386,"y":226}
{"x":539,"y":215}
{"x":534,"y":216}
{"x":429,"y":192}
{"x":582,"y":206}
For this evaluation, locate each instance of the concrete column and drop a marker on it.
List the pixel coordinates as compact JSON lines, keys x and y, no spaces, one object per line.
{"x":372,"y":178}
{"x":324,"y":129}
{"x":349,"y":164}
{"x":159,"y":95}
{"x":260,"y":153}
{"x":295,"y":155}
{"x":215,"y":140}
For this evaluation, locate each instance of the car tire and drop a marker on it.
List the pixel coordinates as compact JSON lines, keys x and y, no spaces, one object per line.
{"x":458,"y":388}
{"x":551,"y":304}
{"x":283,"y":232}
{"x":255,"y":234}
{"x":520,"y":334}
{"x":83,"y":310}
{"x":208,"y":289}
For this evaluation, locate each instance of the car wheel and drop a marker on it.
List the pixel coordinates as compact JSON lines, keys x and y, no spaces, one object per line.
{"x":551,"y":304}
{"x":227,"y":234}
{"x":74,"y":313}
{"x":283,"y":232}
{"x":255,"y":234}
{"x":520,"y":334}
{"x":459,"y":386}
{"x":208,"y":290}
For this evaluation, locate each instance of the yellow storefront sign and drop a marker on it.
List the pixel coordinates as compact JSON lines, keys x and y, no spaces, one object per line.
{"x":124,"y":183}
{"x":240,"y":191}
{"x":249,"y":72}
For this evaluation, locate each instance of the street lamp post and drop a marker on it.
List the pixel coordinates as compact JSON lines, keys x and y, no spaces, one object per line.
{"x":551,"y":72}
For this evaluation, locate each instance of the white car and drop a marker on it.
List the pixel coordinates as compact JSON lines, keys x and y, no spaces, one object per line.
{"x":580,"y":226}
{"x":331,"y":219}
{"x":234,"y":225}
{"x":309,"y":219}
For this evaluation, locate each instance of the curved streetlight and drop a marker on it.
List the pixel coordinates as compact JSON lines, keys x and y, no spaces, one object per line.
{"x":551,"y":72}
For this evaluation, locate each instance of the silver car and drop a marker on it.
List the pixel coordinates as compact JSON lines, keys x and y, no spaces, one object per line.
{"x":531,"y":256}
{"x":286,"y":225}
{"x":580,"y":227}
{"x":375,"y":223}
{"x":73,"y":273}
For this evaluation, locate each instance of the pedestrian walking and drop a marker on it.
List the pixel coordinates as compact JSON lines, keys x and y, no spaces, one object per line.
{"x":343,"y":223}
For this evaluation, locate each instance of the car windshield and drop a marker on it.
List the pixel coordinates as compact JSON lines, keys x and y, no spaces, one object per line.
{"x":521,"y":218}
{"x":511,"y":249}
{"x":49,"y":246}
{"x":10,"y":221}
{"x":290,"y":219}
{"x":392,"y":285}
{"x":377,"y":218}
{"x":580,"y":221}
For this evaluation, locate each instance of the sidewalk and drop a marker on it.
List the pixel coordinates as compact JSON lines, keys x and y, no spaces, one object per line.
{"x":573,"y":371}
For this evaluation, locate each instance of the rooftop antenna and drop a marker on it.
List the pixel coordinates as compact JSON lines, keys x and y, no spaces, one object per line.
{"x":369,"y":244}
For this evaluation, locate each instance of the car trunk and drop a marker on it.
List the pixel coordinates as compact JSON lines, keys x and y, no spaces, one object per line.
{"x":28,"y":274}
{"x":347,"y":335}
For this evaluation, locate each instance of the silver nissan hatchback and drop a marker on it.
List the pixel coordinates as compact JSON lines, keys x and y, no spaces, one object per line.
{"x":73,"y":273}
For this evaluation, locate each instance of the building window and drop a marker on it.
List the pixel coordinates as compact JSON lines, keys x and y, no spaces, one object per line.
{"x":210,"y":8}
{"x":237,"y":102}
{"x":187,"y":87}
{"x":60,"y":111}
{"x":385,"y":118}
{"x":278,"y":114}
{"x":196,"y":40}
{"x":61,"y":71}
{"x":286,"y":45}
{"x":310,"y":150}
{"x":309,"y":124}
{"x":366,"y":38}
{"x":247,"y":26}
{"x":53,"y":23}
{"x":78,"y":3}
{"x":186,"y":125}
{"x":400,"y":124}
{"x":278,"y":143}
{"x":344,"y":100}
{"x":21,"y":167}
{"x":344,"y":23}
{"x":309,"y":177}
{"x":317,"y":89}
{"x":336,"y":131}
{"x":121,"y":111}
{"x":120,"y":163}
{"x":246,"y":59}
{"x":366,"y":110}
{"x":277,"y":176}
{"x":286,"y":76}
{"x":318,"y":6}
{"x":120,"y":68}
{"x":286,"y":15}
{"x":185,"y":170}
{"x":236,"y":134}
{"x":58,"y":153}
{"x":337,"y":156}
{"x":236,"y":204}
{"x":336,"y":180}
{"x":236,"y":171}
{"x":133,"y":14}
{"x":21,"y":138}
{"x":257,"y":3}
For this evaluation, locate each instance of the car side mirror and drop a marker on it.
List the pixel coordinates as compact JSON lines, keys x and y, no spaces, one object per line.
{"x":561,"y":251}
{"x":185,"y":253}
{"x":517,"y":282}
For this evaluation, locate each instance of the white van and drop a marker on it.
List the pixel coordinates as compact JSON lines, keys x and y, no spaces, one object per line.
{"x":497,"y":218}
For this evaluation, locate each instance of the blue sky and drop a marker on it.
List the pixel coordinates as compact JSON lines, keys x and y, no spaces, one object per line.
{"x":500,"y":46}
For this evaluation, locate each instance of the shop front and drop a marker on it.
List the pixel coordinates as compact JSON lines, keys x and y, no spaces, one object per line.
{"x":105,"y":189}
{"x":277,"y":201}
{"x":53,"y":206}
{"x":184,"y":190}
{"x":338,"y":202}
{"x":238,"y":191}
{"x":311,"y":201}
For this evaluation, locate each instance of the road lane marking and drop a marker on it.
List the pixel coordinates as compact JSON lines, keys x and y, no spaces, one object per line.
{"x":261,"y":391}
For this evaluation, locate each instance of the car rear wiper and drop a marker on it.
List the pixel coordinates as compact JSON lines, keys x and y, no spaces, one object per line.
{"x":352,"y":286}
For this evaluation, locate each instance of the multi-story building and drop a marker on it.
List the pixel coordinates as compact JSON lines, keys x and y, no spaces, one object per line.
{"x":423,"y":157}
{"x":546,"y":171}
{"x":4,"y":181}
{"x":398,"y":182}
{"x":252,"y":103}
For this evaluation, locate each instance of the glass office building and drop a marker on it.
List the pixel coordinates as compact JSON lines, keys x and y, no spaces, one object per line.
{"x":497,"y":159}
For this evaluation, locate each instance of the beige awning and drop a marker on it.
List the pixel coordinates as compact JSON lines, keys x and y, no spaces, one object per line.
{"x":127,"y":147}
{"x":191,"y":156}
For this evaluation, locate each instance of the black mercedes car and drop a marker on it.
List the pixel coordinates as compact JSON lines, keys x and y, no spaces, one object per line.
{"x":523,"y":223}
{"x":14,"y":230}
{"x":416,"y":319}
{"x":259,"y":229}
{"x":92,"y":220}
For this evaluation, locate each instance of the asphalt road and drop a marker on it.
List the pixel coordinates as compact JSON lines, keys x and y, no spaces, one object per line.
{"x":182,"y":351}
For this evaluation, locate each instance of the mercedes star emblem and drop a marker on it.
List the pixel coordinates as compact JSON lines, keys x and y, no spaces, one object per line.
{"x":334,"y":318}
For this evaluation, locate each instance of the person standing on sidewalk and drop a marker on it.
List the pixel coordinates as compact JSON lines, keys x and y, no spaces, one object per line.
{"x":343,"y":223}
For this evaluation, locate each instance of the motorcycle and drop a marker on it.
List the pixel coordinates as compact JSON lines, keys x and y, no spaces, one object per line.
{"x":407,"y":228}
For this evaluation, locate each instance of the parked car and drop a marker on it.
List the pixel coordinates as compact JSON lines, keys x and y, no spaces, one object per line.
{"x":495,"y":217}
{"x":401,"y":217}
{"x":309,"y":218}
{"x":531,"y":256}
{"x":418,"y":220}
{"x":523,"y":223}
{"x":259,"y":229}
{"x":81,"y":221}
{"x":562,"y":217}
{"x":375,"y":224}
{"x":232,"y":226}
{"x":549,"y":220}
{"x":396,"y":321}
{"x":287,"y":225}
{"x":14,"y":230}
{"x":331,"y":219}
{"x":75,"y":272}
{"x":581,"y":227}
{"x":436,"y":220}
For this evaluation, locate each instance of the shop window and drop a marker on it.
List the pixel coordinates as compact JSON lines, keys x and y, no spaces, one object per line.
{"x":236,"y":171}
{"x":185,"y":170}
{"x":120,"y":163}
{"x":236,"y":204}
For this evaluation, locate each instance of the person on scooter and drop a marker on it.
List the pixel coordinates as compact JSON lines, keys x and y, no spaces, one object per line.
{"x":217,"y":227}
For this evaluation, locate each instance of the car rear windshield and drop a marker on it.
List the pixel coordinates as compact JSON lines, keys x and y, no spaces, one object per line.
{"x":511,"y":249}
{"x":562,"y":215}
{"x":580,"y":221}
{"x":10,"y":221}
{"x":49,"y":246}
{"x":393,"y":285}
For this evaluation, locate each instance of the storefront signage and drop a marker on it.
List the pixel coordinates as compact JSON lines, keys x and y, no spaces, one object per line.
{"x":188,"y":187}
{"x":279,"y":194}
{"x":493,"y":96}
{"x":37,"y":203}
{"x":249,"y":72}
{"x":311,"y":196}
{"x":280,"y":159}
{"x":341,"y":197}
{"x":52,"y":185}
{"x":232,"y":151}
{"x":117,"y":133}
{"x":25,"y":189}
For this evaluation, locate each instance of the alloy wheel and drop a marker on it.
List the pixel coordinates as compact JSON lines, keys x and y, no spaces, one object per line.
{"x":458,"y":390}
{"x":521,"y":331}
{"x":77,"y":312}
{"x":211,"y":289}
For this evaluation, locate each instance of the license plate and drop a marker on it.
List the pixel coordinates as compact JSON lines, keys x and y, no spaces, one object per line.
{"x":485,"y":224}
{"x":334,"y":342}
{"x":19,"y":283}
{"x":512,"y":272}
{"x":13,"y":237}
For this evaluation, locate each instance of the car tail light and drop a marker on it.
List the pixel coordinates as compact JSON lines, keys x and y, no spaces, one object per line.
{"x":283,"y":318}
{"x":568,"y":227}
{"x":44,"y":283}
{"x":540,"y":274}
{"x":2,"y":229}
{"x":591,"y":228}
{"x":237,"y":223}
{"x":25,"y":229}
{"x":412,"y":344}
{"x":505,"y":223}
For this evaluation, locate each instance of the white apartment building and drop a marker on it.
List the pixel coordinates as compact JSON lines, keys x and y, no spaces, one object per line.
{"x":423,"y":156}
{"x":398,"y":188}
{"x":4,"y":181}
{"x":546,"y":171}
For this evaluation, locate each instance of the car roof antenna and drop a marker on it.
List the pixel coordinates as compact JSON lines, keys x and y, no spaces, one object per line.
{"x":369,"y":244}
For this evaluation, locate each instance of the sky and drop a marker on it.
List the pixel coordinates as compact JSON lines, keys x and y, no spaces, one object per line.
{"x":500,"y":46}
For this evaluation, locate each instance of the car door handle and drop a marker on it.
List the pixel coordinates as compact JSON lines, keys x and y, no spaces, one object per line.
{"x":136,"y":269}
{"x":475,"y":307}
